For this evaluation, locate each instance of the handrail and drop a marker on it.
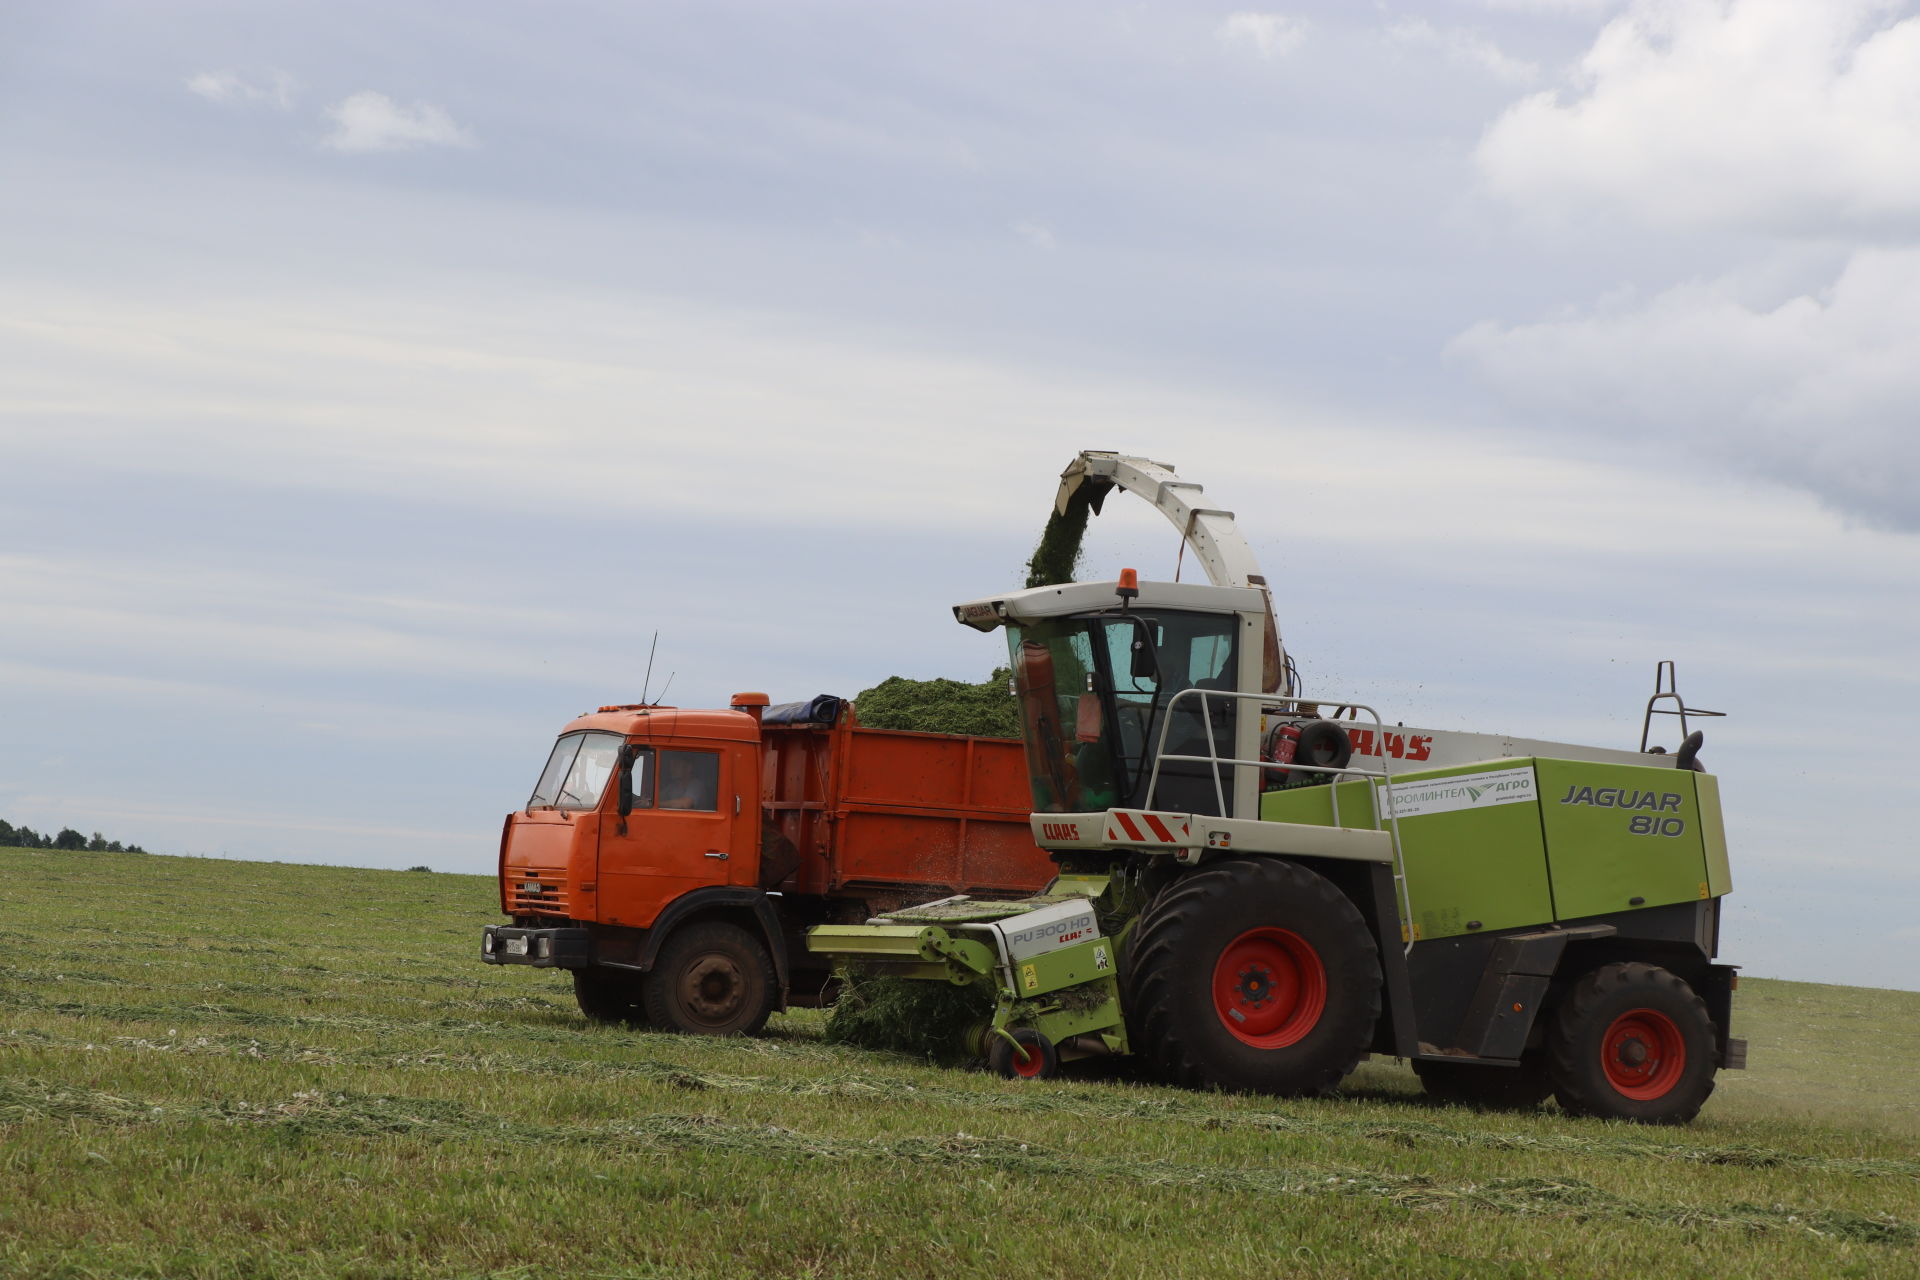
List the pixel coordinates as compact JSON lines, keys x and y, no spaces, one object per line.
{"x":1666,"y":687}
{"x":1387,"y":813}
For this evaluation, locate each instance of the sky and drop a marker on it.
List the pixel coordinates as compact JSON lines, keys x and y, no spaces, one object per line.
{"x":376,"y":381}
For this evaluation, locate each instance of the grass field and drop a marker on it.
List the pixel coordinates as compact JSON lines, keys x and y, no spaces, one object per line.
{"x":225,"y":1069}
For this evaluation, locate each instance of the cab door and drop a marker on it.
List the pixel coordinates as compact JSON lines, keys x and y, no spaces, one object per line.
{"x":681,"y":834}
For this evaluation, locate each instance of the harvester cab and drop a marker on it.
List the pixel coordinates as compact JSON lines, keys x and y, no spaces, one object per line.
{"x":1110,"y":683}
{"x":1273,"y":893}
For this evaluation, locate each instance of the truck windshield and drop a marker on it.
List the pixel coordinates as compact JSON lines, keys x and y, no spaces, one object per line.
{"x":1093,"y":695}
{"x":577,"y":771}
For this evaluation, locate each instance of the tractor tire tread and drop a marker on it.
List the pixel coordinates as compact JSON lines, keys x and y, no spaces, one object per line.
{"x":1578,"y":1084}
{"x":1161,"y":944}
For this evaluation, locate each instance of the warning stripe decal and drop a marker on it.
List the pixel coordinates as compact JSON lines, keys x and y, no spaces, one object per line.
{"x":1158,"y":830}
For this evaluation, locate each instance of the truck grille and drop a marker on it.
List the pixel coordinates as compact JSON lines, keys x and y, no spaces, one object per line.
{"x":534,"y":892}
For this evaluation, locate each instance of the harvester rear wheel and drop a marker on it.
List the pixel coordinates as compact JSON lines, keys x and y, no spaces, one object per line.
{"x":1034,"y":1058}
{"x":1253,"y":976}
{"x":1632,"y":1042}
{"x":610,"y":995}
{"x":712,"y":979}
{"x":1469,"y":1084}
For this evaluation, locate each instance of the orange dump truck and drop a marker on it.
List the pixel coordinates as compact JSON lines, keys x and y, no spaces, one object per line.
{"x":674,"y":859}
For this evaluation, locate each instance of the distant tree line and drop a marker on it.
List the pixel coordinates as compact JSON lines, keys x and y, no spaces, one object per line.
{"x":27,"y":838}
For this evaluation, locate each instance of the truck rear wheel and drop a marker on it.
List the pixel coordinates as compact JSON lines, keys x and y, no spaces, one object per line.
{"x":610,"y":995}
{"x":1632,"y":1042}
{"x":712,"y":979}
{"x":1253,"y":977}
{"x":1470,"y":1084}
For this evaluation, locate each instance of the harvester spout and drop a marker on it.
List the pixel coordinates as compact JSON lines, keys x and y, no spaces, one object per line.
{"x":1219,"y":546}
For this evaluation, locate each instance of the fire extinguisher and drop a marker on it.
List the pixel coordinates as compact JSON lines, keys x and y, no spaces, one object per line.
{"x":1283,"y":741}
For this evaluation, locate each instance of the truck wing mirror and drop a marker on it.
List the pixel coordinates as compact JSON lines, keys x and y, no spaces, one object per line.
{"x":626,"y":780}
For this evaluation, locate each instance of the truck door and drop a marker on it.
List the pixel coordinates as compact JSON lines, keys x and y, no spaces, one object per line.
{"x":681,"y":835}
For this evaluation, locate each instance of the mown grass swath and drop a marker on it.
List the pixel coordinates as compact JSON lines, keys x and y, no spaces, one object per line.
{"x":225,"y":1069}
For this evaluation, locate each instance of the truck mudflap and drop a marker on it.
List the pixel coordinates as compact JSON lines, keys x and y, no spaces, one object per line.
{"x":561,"y":948}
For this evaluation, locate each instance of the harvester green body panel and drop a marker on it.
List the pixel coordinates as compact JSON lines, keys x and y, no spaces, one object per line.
{"x":1713,"y":832}
{"x":1621,"y":836}
{"x":1474,"y":855}
{"x":1507,"y":843}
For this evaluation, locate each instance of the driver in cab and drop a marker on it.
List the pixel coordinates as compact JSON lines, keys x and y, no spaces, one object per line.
{"x":689,"y":781}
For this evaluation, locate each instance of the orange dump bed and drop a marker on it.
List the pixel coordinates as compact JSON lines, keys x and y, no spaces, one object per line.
{"x":882,"y":808}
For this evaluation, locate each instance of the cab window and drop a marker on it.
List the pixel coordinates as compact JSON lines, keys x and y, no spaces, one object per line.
{"x":689,"y":780}
{"x":577,"y":771}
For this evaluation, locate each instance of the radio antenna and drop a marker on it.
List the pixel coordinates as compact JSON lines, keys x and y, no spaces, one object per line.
{"x":648,"y":680}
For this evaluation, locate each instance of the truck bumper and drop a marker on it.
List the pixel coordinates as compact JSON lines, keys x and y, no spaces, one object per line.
{"x":563,"y":948}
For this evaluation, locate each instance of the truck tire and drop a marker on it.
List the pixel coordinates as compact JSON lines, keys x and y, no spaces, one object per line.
{"x":713,"y":979}
{"x":1632,"y":1042}
{"x":1253,"y":976}
{"x":610,"y":995}
{"x":1470,"y":1084}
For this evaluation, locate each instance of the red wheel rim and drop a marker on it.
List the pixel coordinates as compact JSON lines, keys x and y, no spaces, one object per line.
{"x":1643,"y":1054}
{"x":1033,"y":1064}
{"x":1269,"y":987}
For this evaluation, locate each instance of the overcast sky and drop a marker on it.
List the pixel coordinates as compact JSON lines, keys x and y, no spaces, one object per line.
{"x":373,"y":385}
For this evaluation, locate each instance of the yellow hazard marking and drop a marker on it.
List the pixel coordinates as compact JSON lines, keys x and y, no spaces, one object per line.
{"x":1029,"y":976}
{"x":1703,"y":889}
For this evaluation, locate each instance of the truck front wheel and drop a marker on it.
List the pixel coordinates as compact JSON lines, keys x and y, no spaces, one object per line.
{"x":713,"y":979}
{"x":1632,"y":1042}
{"x":1253,"y":976}
{"x":609,"y":995}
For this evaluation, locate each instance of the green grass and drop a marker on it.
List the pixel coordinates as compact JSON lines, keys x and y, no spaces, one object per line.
{"x":224,"y":1069}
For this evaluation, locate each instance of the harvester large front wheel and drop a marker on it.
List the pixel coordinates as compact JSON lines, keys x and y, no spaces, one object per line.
{"x":713,"y":979}
{"x":1632,"y":1042}
{"x":1253,"y":976}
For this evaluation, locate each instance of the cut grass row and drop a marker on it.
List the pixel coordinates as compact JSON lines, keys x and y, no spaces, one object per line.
{"x":222,"y":1069}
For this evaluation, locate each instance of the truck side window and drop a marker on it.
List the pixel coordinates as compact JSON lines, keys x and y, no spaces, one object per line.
{"x":689,"y":780}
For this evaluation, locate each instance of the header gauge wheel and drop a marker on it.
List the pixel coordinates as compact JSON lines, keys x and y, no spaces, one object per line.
{"x":1033,"y":1058}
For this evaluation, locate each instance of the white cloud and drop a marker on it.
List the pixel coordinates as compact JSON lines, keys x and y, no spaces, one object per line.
{"x":1463,"y":49}
{"x":370,"y":121}
{"x":230,"y":88}
{"x":1268,"y":35}
{"x":1776,"y":115}
{"x":1039,"y":235}
{"x":1817,"y":391}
